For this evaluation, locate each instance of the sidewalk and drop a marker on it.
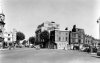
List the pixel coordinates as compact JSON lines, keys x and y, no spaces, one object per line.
{"x":3,"y":49}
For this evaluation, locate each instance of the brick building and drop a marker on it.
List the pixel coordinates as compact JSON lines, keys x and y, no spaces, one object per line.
{"x":62,"y":39}
{"x":77,"y":38}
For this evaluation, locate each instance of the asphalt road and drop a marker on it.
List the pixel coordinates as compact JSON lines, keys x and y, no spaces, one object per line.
{"x":30,"y":55}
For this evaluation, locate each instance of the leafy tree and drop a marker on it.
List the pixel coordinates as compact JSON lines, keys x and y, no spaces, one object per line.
{"x":32,"y":40}
{"x":66,"y":28}
{"x":24,"y":42}
{"x":19,"y":36}
{"x":74,"y":28}
{"x":44,"y":36}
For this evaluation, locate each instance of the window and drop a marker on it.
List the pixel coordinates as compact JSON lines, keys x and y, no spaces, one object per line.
{"x":74,"y":35}
{"x":0,"y":31}
{"x":73,"y":40}
{"x":86,"y":40}
{"x":66,"y":38}
{"x":79,"y":40}
{"x":9,"y":39}
{"x":59,"y":38}
{"x":79,"y":36}
{"x":8,"y":34}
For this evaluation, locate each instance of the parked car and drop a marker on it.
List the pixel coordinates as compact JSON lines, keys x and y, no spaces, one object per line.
{"x":98,"y":51}
{"x":26,"y":45}
{"x":84,"y":49}
{"x":94,"y":50}
{"x":33,"y":46}
{"x":18,"y":46}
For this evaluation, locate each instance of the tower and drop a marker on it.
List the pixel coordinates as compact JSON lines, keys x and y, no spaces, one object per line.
{"x":2,"y":18}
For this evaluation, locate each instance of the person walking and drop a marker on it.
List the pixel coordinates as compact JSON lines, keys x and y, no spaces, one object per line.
{"x":10,"y":45}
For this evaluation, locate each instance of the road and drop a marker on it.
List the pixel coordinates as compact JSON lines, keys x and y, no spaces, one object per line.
{"x":31,"y":55}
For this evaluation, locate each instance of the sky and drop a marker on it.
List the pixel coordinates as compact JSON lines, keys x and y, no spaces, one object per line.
{"x":26,"y":15}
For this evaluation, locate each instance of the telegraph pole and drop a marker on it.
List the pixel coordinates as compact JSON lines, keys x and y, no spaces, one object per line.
{"x":98,"y":21}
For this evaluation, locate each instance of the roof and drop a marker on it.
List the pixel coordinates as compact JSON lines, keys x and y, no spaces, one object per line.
{"x":60,"y":30}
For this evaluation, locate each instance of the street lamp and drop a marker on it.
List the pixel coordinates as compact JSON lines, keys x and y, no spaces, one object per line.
{"x":98,"y":21}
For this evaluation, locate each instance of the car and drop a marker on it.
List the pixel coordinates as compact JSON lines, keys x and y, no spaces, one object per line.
{"x":84,"y":49}
{"x":27,"y":46}
{"x":94,"y":49}
{"x":98,"y":51}
{"x":18,"y":46}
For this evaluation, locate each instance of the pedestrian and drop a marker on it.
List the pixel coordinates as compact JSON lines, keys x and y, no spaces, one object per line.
{"x":64,"y":49}
{"x":10,"y":45}
{"x":89,"y":49}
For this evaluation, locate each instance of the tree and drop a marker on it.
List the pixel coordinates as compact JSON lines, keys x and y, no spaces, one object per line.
{"x":19,"y":36}
{"x":44,"y":36}
{"x":32,"y":40}
{"x":66,"y":28}
{"x":24,"y":42}
{"x":74,"y":28}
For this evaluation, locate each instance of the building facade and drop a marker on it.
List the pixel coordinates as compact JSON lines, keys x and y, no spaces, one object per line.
{"x":59,"y":39}
{"x":91,"y":41}
{"x":48,"y":26}
{"x":2,"y":18}
{"x":62,"y":39}
{"x":96,"y":42}
{"x":88,"y":40}
{"x":77,"y":38}
{"x":10,"y":37}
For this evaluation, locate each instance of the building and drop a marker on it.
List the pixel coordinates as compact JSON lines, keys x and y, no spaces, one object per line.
{"x":2,"y":18}
{"x":96,"y":42}
{"x":91,"y":41}
{"x":88,"y":40}
{"x":62,"y":39}
{"x":49,"y":26}
{"x":10,"y":37}
{"x":76,"y":38}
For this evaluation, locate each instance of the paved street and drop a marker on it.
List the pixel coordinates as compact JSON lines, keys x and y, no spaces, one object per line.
{"x":30,"y":55}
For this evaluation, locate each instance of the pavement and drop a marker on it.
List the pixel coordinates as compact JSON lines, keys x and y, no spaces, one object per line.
{"x":31,"y":55}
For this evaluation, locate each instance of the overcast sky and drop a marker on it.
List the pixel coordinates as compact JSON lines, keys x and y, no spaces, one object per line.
{"x":26,"y":15}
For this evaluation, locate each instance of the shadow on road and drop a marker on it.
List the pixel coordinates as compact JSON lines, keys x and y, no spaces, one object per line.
{"x":96,"y":56}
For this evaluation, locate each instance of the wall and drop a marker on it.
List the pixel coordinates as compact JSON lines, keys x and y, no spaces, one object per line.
{"x":62,"y":39}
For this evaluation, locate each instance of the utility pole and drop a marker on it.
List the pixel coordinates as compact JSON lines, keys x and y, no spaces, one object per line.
{"x":98,"y":21}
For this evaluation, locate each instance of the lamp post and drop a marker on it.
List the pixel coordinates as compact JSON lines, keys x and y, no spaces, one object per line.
{"x":98,"y":21}
{"x":49,"y":39}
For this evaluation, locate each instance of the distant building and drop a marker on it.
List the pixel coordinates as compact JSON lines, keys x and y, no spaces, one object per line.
{"x":88,"y":40}
{"x":10,"y":37}
{"x":96,"y":42}
{"x":14,"y":34}
{"x":77,"y":38}
{"x":2,"y":18}
{"x":91,"y":41}
{"x":49,"y":26}
{"x":62,"y":39}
